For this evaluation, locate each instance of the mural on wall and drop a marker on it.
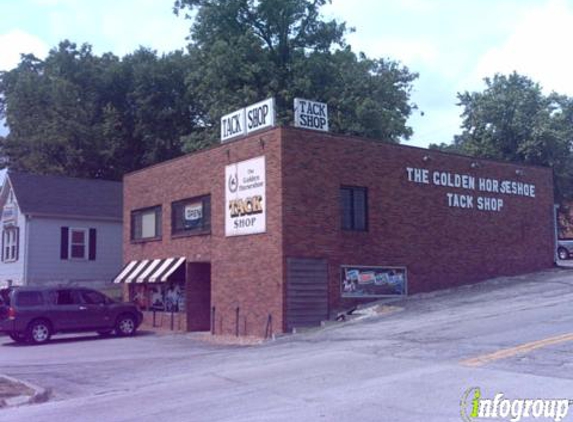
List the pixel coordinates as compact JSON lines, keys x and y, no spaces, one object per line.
{"x":357,"y":281}
{"x":165,"y":297}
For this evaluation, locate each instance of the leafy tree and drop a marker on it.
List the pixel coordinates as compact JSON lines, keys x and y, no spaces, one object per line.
{"x":512,"y":120}
{"x":84,"y":115}
{"x":245,"y":50}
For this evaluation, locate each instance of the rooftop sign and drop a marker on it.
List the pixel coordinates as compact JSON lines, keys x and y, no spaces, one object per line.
{"x":310,"y":115}
{"x":233,"y":125}
{"x":247,"y":120}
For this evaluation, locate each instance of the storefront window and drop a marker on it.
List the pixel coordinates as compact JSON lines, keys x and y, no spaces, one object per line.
{"x":192,"y":216}
{"x":146,"y":223}
{"x":163,"y":297}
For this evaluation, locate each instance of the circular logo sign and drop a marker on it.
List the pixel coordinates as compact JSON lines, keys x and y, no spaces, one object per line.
{"x":233,"y":183}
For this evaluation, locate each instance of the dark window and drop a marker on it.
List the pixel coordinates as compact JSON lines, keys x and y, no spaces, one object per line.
{"x":92,"y":297}
{"x":191,"y":215}
{"x":29,"y":299}
{"x":146,"y":223}
{"x":67,"y":297}
{"x":354,"y":208}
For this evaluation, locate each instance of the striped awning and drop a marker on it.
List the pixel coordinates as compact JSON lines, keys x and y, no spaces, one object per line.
{"x":148,"y":270}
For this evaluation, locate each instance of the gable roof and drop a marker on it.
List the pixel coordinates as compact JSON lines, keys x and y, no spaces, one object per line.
{"x":66,"y":196}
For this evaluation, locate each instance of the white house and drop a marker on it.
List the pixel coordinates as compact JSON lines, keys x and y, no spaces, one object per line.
{"x":59,"y":230}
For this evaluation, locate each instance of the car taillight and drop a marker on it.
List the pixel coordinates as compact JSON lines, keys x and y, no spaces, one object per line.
{"x":11,"y":313}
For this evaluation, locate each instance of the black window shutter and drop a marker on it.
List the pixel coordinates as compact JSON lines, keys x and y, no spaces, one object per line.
{"x":3,"y":236}
{"x":93,"y":243}
{"x":64,"y":243}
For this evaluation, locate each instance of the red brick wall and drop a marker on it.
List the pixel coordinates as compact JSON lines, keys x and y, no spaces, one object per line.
{"x":410,"y":224}
{"x":246,"y":271}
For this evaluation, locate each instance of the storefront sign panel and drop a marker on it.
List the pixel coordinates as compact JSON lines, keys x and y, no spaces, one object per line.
{"x":260,"y":115}
{"x":193,"y":215}
{"x":245,"y":197}
{"x":310,"y":114}
{"x":233,"y":125}
{"x":358,"y":281}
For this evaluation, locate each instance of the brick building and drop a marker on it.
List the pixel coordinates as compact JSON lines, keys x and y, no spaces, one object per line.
{"x":287,"y":226}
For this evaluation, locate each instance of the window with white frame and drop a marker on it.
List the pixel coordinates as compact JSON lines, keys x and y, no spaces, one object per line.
{"x":78,"y":243}
{"x":10,"y":244}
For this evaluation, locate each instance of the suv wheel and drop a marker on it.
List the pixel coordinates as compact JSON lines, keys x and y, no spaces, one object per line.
{"x":562,"y":253}
{"x":125,"y":325}
{"x":39,"y":332}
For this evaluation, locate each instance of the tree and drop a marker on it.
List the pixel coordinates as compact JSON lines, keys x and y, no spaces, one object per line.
{"x":245,"y":50}
{"x":512,"y":120}
{"x":79,"y":114}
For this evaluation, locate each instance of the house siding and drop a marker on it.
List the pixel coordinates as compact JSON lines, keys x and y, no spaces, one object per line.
{"x":14,"y":271}
{"x":46,"y":267}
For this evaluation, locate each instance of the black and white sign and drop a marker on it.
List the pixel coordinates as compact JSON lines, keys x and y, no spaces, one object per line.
{"x":233,"y":125}
{"x":310,"y":115}
{"x":193,"y":215}
{"x":248,"y":120}
{"x":260,"y":115}
{"x":245,"y":205}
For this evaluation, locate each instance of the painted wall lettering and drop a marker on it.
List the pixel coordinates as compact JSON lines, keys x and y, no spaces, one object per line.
{"x":472,"y":183}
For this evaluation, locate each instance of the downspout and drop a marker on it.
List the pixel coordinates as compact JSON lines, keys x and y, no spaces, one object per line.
{"x":26,"y":243}
{"x":555,"y":233}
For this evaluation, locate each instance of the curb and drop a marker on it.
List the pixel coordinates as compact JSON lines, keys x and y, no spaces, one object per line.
{"x":40,"y":394}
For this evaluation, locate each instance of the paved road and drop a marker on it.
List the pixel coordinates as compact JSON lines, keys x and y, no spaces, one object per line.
{"x":411,"y":365}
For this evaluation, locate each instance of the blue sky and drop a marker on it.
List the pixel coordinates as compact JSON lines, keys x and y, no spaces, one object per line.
{"x":452,"y":44}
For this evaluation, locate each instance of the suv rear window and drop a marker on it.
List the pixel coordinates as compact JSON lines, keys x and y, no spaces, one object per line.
{"x":29,"y":299}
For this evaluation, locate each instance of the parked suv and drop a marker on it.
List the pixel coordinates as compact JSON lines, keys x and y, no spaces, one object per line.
{"x":33,"y":314}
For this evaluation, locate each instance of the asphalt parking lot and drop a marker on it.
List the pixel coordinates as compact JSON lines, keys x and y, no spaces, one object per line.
{"x":509,"y":335}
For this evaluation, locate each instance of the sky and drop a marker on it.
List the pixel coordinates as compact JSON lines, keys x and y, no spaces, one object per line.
{"x":451,"y":44}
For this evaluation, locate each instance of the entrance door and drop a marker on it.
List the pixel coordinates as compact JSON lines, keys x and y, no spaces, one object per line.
{"x":307,"y":292}
{"x":198,"y":296}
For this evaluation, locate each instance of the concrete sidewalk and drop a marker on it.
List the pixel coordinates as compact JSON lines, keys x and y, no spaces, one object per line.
{"x":15,"y":392}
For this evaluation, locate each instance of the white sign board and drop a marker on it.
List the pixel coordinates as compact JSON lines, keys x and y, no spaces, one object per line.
{"x":245,"y":197}
{"x":247,"y":120}
{"x":194,"y":211}
{"x":310,"y":114}
{"x":260,"y":115}
{"x":233,"y":125}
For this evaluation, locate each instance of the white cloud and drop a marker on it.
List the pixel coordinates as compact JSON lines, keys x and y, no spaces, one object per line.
{"x":538,"y":47}
{"x":17,"y":42}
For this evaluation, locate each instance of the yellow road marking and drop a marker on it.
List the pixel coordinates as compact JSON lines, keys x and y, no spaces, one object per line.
{"x":517,"y":350}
